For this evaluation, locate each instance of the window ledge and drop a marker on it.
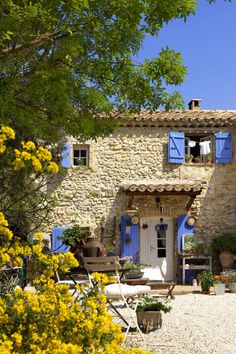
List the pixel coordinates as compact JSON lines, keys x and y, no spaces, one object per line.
{"x":198,"y":164}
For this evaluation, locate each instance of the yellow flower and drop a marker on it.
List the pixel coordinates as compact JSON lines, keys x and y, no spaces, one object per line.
{"x":3,"y":221}
{"x":18,"y":164}
{"x":37,"y":166}
{"x":8,"y":234}
{"x":44,"y":154}
{"x":29,"y":145}
{"x":2,"y":148}
{"x":25,"y":155}
{"x":17,"y":338}
{"x":9,"y":132}
{"x":53,"y":167}
{"x":17,"y":153}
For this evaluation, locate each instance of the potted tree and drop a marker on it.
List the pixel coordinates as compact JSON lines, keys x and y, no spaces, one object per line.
{"x":225,"y":247}
{"x":75,"y":238}
{"x":149,"y":312}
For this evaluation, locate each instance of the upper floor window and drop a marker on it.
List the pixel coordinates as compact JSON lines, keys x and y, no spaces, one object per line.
{"x":217,"y":147}
{"x":75,"y":155}
{"x":80,"y":155}
{"x":199,"y":148}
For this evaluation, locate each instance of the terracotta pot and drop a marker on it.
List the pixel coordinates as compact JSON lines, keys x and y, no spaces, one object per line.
{"x":226,"y":259}
{"x":93,"y":248}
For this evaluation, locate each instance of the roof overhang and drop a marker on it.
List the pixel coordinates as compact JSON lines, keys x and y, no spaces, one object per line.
{"x":164,"y":187}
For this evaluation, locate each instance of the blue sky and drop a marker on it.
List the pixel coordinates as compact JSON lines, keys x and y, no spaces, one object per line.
{"x":207,"y":42}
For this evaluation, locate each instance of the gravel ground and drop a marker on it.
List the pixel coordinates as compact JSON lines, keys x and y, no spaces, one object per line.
{"x":197,"y":324}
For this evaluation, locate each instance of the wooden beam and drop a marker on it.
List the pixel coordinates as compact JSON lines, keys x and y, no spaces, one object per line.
{"x":130,"y":200}
{"x":190,"y":202}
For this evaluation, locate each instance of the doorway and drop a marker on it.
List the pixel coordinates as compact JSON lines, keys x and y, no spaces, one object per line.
{"x":156,"y":244}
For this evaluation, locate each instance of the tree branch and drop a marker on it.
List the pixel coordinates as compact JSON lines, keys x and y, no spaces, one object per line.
{"x":43,"y":39}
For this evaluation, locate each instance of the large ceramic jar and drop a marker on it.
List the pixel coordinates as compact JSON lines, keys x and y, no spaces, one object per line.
{"x":227,"y":259}
{"x":93,"y":248}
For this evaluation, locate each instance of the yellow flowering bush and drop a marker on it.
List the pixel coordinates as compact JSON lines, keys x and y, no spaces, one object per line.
{"x":50,"y":320}
{"x":39,"y":159}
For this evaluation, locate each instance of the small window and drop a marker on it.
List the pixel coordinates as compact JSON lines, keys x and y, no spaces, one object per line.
{"x":161,"y":239}
{"x":198,"y":148}
{"x":80,"y":155}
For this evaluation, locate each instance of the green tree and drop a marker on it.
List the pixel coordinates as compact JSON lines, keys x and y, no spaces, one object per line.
{"x":64,"y":64}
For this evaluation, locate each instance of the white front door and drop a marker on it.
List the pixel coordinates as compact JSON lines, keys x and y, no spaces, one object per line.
{"x":156,"y":244}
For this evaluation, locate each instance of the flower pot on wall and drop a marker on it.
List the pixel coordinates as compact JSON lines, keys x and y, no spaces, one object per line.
{"x":219,"y":289}
{"x":226,"y":259}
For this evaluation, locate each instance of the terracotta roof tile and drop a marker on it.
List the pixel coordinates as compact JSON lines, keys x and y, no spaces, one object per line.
{"x":162,"y":186}
{"x":224,"y":116}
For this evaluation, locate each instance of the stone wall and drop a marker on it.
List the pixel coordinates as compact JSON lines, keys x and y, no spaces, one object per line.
{"x":92,"y":196}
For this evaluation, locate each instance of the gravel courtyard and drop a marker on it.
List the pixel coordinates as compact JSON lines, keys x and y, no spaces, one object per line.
{"x":197,"y":324}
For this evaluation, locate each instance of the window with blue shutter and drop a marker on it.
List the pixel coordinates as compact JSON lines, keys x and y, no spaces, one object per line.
{"x":66,"y":156}
{"x":57,"y":245}
{"x":223,"y":143}
{"x":176,"y":144}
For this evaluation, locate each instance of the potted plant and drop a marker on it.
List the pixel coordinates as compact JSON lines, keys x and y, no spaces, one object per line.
{"x":219,"y":283}
{"x":208,"y":159}
{"x":133,"y":271}
{"x":188,"y":158}
{"x":75,"y":238}
{"x":189,"y":244}
{"x":232,"y":282}
{"x":197,"y":159}
{"x":225,"y":246}
{"x":206,"y":281}
{"x":149,"y":312}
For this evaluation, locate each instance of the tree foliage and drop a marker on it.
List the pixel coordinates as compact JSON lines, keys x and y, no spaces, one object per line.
{"x":63,"y":64}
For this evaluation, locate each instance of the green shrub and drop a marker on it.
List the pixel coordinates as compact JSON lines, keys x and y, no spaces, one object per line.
{"x":224,"y":242}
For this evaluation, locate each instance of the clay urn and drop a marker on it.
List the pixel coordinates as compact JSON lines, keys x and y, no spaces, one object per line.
{"x":93,"y":247}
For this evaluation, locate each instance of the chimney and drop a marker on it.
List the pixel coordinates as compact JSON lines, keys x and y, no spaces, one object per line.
{"x":195,"y":104}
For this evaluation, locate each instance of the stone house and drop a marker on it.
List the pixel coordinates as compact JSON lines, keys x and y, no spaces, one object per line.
{"x":160,"y":176}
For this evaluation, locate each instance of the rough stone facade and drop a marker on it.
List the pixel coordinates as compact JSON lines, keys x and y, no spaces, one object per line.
{"x":93,"y":196}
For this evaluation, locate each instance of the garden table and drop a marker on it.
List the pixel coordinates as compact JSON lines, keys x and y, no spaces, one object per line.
{"x":169,"y":286}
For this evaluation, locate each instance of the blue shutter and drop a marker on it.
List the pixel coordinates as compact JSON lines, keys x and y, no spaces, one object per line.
{"x":223,"y":147}
{"x":66,"y":158}
{"x":184,"y":228}
{"x":57,"y":245}
{"x":131,"y":248}
{"x":176,"y":147}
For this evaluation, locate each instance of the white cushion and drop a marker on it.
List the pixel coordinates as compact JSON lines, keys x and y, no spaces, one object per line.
{"x":142,"y":289}
{"x":117,"y":289}
{"x":152,"y":273}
